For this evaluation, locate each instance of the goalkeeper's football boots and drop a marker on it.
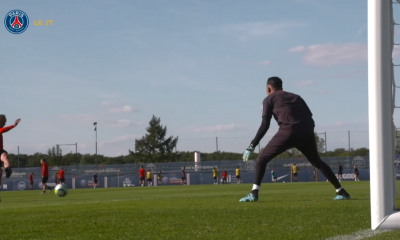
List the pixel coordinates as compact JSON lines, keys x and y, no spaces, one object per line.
{"x":249,"y":198}
{"x":342,"y":195}
{"x":8,"y":172}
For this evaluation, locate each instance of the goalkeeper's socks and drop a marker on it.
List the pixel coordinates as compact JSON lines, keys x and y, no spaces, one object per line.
{"x":254,"y":193}
{"x":255,"y":189}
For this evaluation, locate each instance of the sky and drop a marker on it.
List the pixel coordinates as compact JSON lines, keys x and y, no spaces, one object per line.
{"x":199,"y":65}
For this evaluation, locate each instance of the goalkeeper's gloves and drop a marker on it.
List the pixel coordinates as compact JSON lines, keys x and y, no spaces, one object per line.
{"x":247,"y":153}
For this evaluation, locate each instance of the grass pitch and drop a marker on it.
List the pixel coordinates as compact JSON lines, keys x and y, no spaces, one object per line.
{"x":284,"y":211}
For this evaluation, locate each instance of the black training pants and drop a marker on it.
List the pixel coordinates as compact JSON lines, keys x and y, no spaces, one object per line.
{"x":304,"y":141}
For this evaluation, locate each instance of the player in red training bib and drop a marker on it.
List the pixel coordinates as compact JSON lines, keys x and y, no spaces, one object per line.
{"x":3,"y":153}
{"x":61,"y":176}
{"x":45,"y":175}
{"x":141,"y":174}
{"x":31,"y":181}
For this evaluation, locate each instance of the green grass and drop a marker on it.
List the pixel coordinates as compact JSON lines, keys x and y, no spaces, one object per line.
{"x":284,"y":211}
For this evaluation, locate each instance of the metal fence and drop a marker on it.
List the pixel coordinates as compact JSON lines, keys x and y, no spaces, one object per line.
{"x":333,"y":139}
{"x":81,"y":176}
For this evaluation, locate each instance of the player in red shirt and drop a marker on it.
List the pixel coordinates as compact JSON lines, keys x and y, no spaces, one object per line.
{"x":61,"y":176}
{"x":3,"y":153}
{"x":141,"y":174}
{"x":224,"y":174}
{"x":31,"y":181}
{"x":45,"y":175}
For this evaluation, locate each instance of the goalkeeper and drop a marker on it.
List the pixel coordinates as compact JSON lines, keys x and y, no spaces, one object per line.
{"x":296,"y":130}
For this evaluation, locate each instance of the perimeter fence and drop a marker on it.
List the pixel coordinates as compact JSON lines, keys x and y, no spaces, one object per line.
{"x":81,"y":176}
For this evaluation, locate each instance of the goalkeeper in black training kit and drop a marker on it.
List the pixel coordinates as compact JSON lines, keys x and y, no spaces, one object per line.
{"x":296,"y":130}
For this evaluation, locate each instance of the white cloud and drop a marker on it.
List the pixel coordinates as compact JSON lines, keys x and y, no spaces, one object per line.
{"x":305,"y":83}
{"x":124,"y":109}
{"x":335,"y":54}
{"x":297,"y":49}
{"x":85,"y":146}
{"x":126,"y":138}
{"x":124,"y":123}
{"x":115,"y":107}
{"x":217,"y":128}
{"x":247,"y":31}
{"x":321,"y":92}
{"x":342,"y":125}
{"x":330,"y":54}
{"x":351,"y":74}
{"x":105,"y":103}
{"x":78,"y":118}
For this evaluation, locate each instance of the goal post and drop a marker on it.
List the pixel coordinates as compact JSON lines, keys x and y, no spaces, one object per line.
{"x":380,"y":114}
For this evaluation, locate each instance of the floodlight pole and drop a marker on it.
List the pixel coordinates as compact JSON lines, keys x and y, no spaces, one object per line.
{"x":18,"y":156}
{"x":380,"y":114}
{"x":349,"y":141}
{"x":176,"y":152}
{"x":95,"y":129}
{"x":96,"y":146}
{"x":216,"y":142}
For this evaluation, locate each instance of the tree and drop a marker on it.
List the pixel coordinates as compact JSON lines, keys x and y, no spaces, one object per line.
{"x":54,"y":156}
{"x":320,"y":143}
{"x":155,"y":146}
{"x":397,"y":141}
{"x":361,"y":152}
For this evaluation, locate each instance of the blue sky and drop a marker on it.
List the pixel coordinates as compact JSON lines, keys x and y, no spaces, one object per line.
{"x":199,"y":65}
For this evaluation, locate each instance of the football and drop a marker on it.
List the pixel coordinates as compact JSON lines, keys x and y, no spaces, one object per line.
{"x":61,"y":190}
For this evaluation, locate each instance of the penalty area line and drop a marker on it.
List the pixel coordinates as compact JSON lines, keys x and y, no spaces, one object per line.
{"x":363,"y":234}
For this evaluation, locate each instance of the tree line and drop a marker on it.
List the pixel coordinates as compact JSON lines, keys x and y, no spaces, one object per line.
{"x":156,"y":147}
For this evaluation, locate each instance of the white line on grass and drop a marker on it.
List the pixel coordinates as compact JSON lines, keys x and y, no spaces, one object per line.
{"x":359,"y":235}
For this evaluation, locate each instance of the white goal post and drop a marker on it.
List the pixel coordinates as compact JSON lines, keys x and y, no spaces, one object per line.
{"x":380,"y":107}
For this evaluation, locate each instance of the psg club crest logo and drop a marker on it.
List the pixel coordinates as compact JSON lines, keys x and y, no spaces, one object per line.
{"x":16,"y":21}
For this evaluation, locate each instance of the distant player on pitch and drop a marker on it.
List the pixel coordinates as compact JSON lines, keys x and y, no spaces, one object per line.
{"x":149,"y":181}
{"x":3,"y":153}
{"x":61,"y":176}
{"x":238,"y":175}
{"x":95,"y":181}
{"x":45,"y":175}
{"x":315,"y":175}
{"x":159,"y":178}
{"x":340,"y":172}
{"x":224,"y":175}
{"x":273,"y":177}
{"x":31,"y":181}
{"x":295,"y":170}
{"x":296,"y":130}
{"x":356,"y":173}
{"x":141,"y":175}
{"x":183,"y":176}
{"x":215,"y":176}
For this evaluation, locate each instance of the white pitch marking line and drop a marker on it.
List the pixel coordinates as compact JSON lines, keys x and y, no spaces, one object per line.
{"x":359,"y":235}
